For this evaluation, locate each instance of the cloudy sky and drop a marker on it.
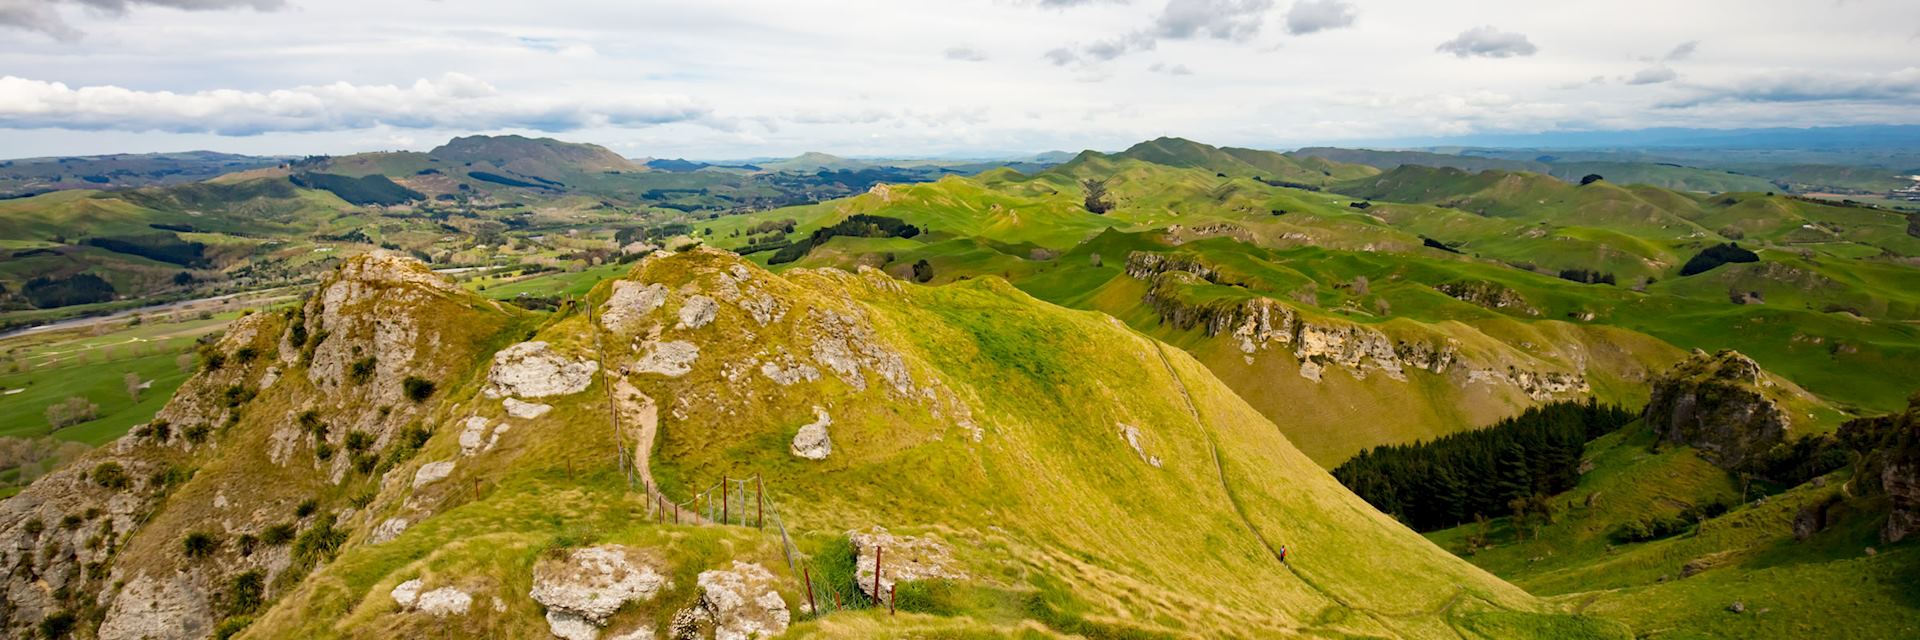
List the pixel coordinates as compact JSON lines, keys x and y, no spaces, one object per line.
{"x":738,"y":78}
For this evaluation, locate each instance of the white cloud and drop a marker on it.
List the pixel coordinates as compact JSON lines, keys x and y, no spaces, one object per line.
{"x":966,"y":54}
{"x":1803,"y":86}
{"x":1488,"y":42}
{"x":452,"y":101}
{"x":1653,"y":75}
{"x":1308,"y":16}
{"x":1170,"y":69}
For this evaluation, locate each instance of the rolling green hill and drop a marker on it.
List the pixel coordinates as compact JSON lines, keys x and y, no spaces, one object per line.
{"x":1055,"y":519}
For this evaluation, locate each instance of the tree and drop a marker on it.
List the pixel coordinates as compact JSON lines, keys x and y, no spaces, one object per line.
{"x":1590,"y":179}
{"x":418,"y":389}
{"x":922,"y":271}
{"x":71,"y":411}
{"x":134,"y":385}
{"x":1515,"y":481}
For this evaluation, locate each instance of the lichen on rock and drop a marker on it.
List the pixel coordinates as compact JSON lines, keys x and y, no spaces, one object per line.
{"x":590,"y":584}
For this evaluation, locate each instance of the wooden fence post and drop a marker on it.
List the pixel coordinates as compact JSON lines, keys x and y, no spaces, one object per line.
{"x":723,"y":498}
{"x":759,"y":503}
{"x":808,"y":573}
{"x":876,"y":573}
{"x":890,"y":589}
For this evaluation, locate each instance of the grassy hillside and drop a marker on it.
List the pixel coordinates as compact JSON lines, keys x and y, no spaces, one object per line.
{"x":1066,"y":519}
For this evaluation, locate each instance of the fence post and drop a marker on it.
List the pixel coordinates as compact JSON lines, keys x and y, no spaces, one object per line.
{"x":876,"y":573}
{"x":723,"y":498}
{"x":809,"y":578}
{"x":890,"y":589}
{"x":759,"y":503}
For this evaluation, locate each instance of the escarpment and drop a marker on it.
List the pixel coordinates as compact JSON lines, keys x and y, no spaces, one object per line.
{"x":1718,"y":403}
{"x":1256,"y":324}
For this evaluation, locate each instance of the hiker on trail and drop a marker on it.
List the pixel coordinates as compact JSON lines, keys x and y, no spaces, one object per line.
{"x":1283,"y":553}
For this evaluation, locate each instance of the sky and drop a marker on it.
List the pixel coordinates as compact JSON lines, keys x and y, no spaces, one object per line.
{"x":725,"y":79}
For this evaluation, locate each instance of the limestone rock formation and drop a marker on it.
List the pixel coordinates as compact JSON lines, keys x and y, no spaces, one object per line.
{"x":741,"y":603}
{"x":812,"y":442}
{"x":534,"y":370}
{"x":583,"y":589}
{"x":1717,"y":404}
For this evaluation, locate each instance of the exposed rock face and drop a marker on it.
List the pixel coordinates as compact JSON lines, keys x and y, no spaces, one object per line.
{"x":902,"y":559}
{"x":407,"y":593}
{"x":388,"y":530}
{"x":1715,"y":403}
{"x":1257,"y":324}
{"x":697,"y":311}
{"x":1143,"y":265}
{"x":432,"y":472}
{"x":1131,"y":434}
{"x":525,"y":410}
{"x":630,"y":303}
{"x":845,"y":345}
{"x":591,"y":583}
{"x":533,"y":370}
{"x":1890,"y":464}
{"x":672,"y":359}
{"x":742,"y":603}
{"x":474,"y":437}
{"x":812,"y":442}
{"x":158,"y":609}
{"x":786,"y":370}
{"x":445,"y":601}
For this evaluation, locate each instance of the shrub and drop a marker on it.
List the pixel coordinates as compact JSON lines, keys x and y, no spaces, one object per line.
{"x":306,"y":508}
{"x":246,"y":593}
{"x":1096,"y":200}
{"x":1590,"y":179}
{"x":57,"y":624}
{"x":231,"y":627}
{"x":319,"y":541}
{"x":160,"y":430}
{"x":199,"y":544}
{"x":246,"y":354}
{"x":277,"y":535}
{"x":197,"y":433}
{"x":922,"y":271}
{"x":211,"y":359}
{"x":323,"y":451}
{"x":361,"y":370}
{"x":71,"y":411}
{"x":417,"y":389}
{"x":237,"y":395}
{"x":246,"y":542}
{"x":110,"y":475}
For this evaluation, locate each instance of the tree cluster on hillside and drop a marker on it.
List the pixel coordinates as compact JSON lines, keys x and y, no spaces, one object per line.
{"x":1715,"y":256}
{"x":164,"y":247}
{"x":84,"y":288}
{"x":1509,"y":467}
{"x":1097,"y":202}
{"x":1586,"y":276}
{"x":857,"y":226}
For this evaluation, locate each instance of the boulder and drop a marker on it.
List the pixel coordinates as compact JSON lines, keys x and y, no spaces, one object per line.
{"x":743,"y":603}
{"x":406,"y":593}
{"x":630,"y":303}
{"x":533,"y":370}
{"x":672,"y":358}
{"x":525,"y":410}
{"x":387,"y":530}
{"x":432,"y":472}
{"x":697,"y":311}
{"x":812,"y":441}
{"x":445,"y":601}
{"x":588,"y":585}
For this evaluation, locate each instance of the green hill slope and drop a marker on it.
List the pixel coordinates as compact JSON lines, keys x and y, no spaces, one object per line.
{"x":1155,"y":509}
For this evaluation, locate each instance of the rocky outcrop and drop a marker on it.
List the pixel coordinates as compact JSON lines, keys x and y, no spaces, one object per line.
{"x":1717,"y":404}
{"x":1889,"y":449}
{"x":741,"y":603}
{"x":812,"y":441}
{"x":585,"y":587}
{"x":1144,"y":265}
{"x":525,"y":410}
{"x":1489,"y":295}
{"x":901,"y":559}
{"x":630,"y":303}
{"x":149,"y":608}
{"x":534,"y":370}
{"x":1258,"y":323}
